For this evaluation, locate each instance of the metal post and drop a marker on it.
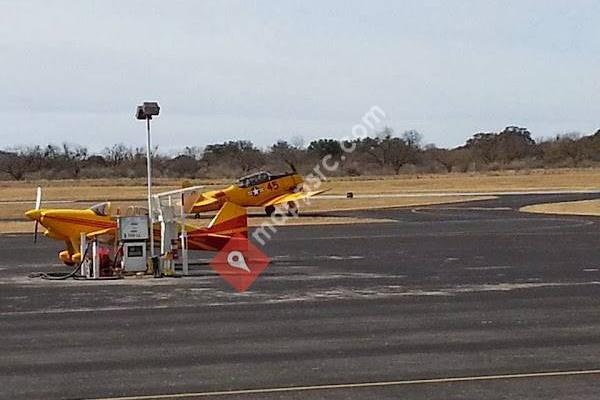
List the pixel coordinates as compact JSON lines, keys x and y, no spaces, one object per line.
{"x":184,"y":252}
{"x":165,"y":244}
{"x":149,"y":173}
{"x":95,"y":260}
{"x":82,"y":249}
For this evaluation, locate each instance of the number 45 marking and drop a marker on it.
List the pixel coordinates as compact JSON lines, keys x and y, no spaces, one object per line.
{"x":273,"y":186}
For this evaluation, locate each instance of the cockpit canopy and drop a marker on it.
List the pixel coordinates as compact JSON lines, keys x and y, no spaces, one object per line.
{"x":254,"y":179}
{"x":102,"y":209}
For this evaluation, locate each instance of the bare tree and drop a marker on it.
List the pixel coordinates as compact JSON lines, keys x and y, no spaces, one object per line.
{"x":511,"y":144}
{"x":240,"y":153}
{"x":117,"y":154}
{"x":21,"y":161}
{"x":513,"y":147}
{"x":412,"y":138}
{"x":72,"y":158}
{"x":389,"y":151}
{"x":194,"y":152}
{"x":182,"y":166}
{"x":297,"y":141}
{"x":284,"y":152}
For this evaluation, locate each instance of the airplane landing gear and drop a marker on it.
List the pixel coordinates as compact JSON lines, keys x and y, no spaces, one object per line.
{"x":269,"y":210}
{"x":292,"y":209}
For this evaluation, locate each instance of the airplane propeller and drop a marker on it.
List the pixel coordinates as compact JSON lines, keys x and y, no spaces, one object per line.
{"x":292,"y":166}
{"x":38,"y":205}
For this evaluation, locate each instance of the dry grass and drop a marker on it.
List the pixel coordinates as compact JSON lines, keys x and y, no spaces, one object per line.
{"x":16,"y":211}
{"x":124,"y":192}
{"x":559,"y":179}
{"x":104,"y":189}
{"x":16,"y":227}
{"x":92,"y":189}
{"x":583,"y":207}
{"x":82,"y":191}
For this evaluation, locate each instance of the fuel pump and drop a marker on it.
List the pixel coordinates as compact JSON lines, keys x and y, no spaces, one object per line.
{"x":134,"y":234}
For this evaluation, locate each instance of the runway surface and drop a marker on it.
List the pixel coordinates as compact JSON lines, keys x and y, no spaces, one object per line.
{"x":467,"y":301}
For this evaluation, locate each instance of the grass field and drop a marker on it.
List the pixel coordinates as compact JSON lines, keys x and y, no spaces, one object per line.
{"x":104,"y":189}
{"x":584,"y":207}
{"x":17,"y":197}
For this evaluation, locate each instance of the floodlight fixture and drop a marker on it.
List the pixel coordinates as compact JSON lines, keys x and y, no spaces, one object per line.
{"x":147,"y":110}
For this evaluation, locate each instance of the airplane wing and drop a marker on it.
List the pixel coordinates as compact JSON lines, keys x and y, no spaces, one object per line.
{"x":107,"y":232}
{"x":72,"y":254}
{"x":209,"y":201}
{"x":292,"y":197}
{"x":204,"y":204}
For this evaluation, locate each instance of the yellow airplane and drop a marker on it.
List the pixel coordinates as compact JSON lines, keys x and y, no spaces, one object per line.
{"x":261,"y":189}
{"x":68,"y":224}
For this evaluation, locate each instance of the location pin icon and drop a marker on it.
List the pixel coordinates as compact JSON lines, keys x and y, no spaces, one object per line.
{"x":235,"y":259}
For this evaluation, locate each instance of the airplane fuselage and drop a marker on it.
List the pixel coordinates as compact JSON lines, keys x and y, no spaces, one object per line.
{"x":249,"y":194}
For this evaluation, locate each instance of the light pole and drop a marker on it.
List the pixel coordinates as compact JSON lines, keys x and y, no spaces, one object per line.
{"x":146,"y":111}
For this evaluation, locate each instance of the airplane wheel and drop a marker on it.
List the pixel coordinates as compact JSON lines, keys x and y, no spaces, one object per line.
{"x":270,"y":210}
{"x":293,"y":210}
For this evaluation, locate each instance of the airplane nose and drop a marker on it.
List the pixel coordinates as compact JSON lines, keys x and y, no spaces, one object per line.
{"x":34,"y":215}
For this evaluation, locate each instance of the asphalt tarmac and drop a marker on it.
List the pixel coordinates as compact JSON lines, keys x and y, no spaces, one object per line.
{"x":463,"y":301}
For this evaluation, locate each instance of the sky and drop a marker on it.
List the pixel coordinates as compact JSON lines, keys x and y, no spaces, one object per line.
{"x":74,"y":71}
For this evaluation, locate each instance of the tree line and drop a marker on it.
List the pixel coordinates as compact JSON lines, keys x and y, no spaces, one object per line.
{"x":383,"y":153}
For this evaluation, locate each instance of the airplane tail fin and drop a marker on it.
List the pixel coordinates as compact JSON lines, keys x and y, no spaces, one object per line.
{"x":231,"y":221}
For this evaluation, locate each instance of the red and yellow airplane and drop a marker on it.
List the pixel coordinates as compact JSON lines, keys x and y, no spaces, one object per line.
{"x":68,"y":224}
{"x":261,"y":189}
